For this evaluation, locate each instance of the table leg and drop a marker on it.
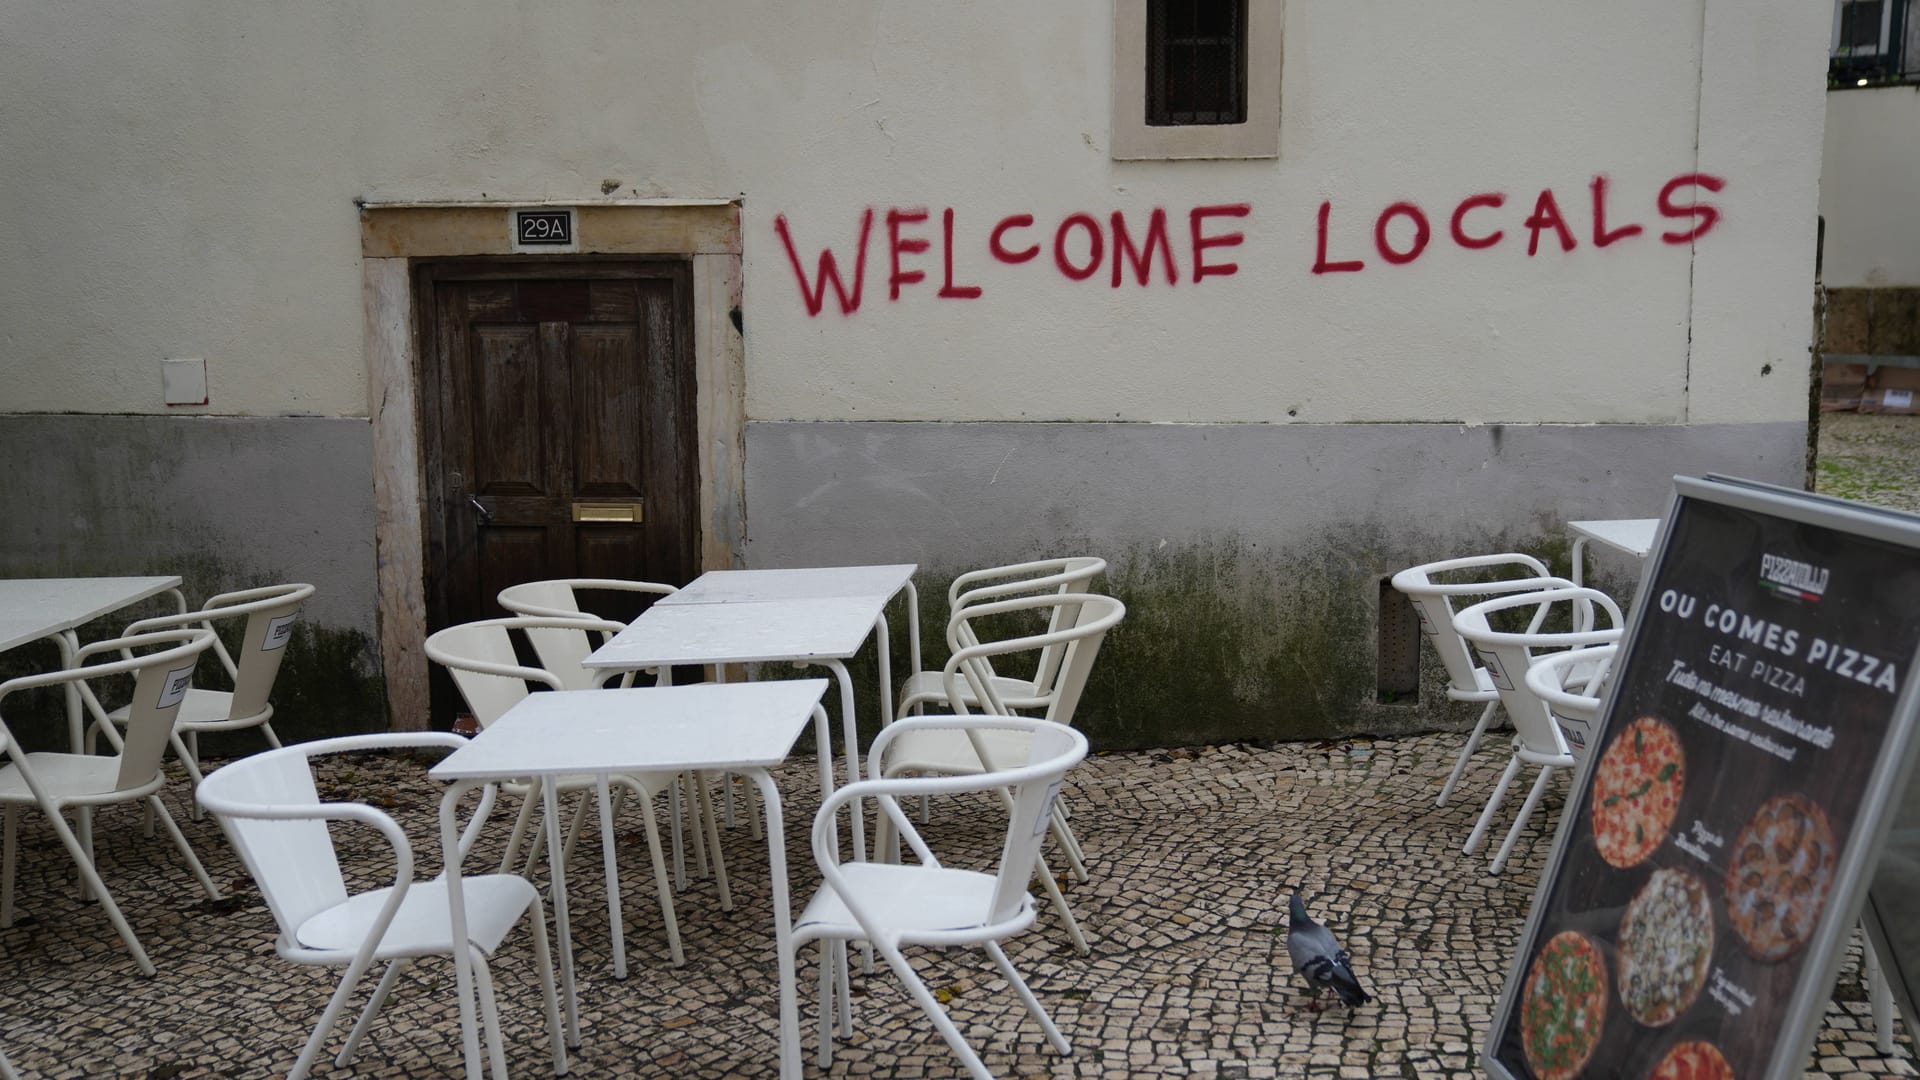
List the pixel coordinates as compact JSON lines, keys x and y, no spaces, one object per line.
{"x":69,"y":644}
{"x":463,"y":975}
{"x":913,"y":627}
{"x":782,"y":925}
{"x":614,"y":920}
{"x":1578,"y":558}
{"x":850,"y":734}
{"x":886,"y":673}
{"x":557,"y":869}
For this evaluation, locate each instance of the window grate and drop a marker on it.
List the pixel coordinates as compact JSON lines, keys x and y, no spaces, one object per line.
{"x":1196,"y":62}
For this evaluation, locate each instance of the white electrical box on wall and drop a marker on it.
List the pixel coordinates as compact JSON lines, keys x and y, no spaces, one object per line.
{"x":184,"y":382}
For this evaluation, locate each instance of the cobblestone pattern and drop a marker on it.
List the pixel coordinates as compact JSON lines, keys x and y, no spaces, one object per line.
{"x":1191,"y":853}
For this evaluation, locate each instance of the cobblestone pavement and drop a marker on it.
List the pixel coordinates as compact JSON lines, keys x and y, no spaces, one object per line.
{"x":1190,"y":853}
{"x":1874,"y":458}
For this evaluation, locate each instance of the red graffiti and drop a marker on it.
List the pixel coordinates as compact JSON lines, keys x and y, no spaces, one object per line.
{"x":1492,"y":201}
{"x":815,"y":295}
{"x":1201,"y":242}
{"x":1545,"y":218}
{"x":1081,"y":244}
{"x":1707,"y":214}
{"x":1422,"y":232}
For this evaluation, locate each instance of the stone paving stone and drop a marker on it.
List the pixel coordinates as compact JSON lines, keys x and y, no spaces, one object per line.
{"x":1191,"y":853}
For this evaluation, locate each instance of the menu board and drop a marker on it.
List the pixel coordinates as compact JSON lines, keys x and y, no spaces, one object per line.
{"x":1717,"y":844}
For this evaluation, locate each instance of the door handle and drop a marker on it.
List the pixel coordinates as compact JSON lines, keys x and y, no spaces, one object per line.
{"x":486,"y":515}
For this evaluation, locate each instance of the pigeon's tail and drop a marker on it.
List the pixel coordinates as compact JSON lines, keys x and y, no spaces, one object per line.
{"x":1334,"y":973}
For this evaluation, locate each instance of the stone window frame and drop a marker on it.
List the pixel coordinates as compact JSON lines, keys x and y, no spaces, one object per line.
{"x":1133,"y":139}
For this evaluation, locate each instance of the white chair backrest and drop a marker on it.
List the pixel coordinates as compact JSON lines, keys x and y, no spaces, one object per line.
{"x":292,"y":860}
{"x":1060,"y":576}
{"x":1053,"y":750}
{"x":1083,"y":618}
{"x":1509,"y":654}
{"x":1034,"y":784}
{"x":480,"y":657}
{"x":562,"y":648}
{"x":270,"y":613}
{"x":1433,"y":602}
{"x":270,"y":808}
{"x":161,"y":663}
{"x":1571,"y":683}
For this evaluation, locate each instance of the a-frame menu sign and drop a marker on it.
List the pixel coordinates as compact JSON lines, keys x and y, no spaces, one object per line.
{"x":1750,"y":751}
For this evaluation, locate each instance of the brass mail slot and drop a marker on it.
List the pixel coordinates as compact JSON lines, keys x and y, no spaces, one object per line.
{"x":607,"y":511}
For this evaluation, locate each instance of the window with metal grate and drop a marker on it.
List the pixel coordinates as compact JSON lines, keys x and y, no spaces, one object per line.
{"x":1196,"y":62}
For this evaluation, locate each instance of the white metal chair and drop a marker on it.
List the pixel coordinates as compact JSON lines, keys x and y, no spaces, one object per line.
{"x":1507,"y":655}
{"x":272,"y":812}
{"x":1433,"y":602}
{"x":270,"y":613}
{"x":1571,"y":683}
{"x":1084,"y":627}
{"x":162,"y":666}
{"x":561,"y":649}
{"x":6,"y":1068}
{"x":1058,"y":576}
{"x":893,"y":905}
{"x":480,"y":657}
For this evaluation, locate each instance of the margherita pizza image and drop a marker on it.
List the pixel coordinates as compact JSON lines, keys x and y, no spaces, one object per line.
{"x":1666,"y":942}
{"x":1781,"y":873}
{"x":1636,"y":791}
{"x":1563,"y":1006}
{"x":1692,"y":1061}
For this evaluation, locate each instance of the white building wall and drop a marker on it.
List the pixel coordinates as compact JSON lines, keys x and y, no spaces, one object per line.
{"x":1870,"y":188}
{"x":182,"y":179}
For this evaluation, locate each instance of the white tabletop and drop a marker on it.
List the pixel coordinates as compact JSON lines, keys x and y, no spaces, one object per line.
{"x":1631,"y":535}
{"x":33,"y":608}
{"x":701,"y":726}
{"x":742,"y":632}
{"x":810,"y":583}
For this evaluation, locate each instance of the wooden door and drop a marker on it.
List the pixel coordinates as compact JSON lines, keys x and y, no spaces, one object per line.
{"x":558,"y":408}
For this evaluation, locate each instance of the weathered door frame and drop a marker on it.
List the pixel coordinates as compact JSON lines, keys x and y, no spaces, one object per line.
{"x":392,"y":236}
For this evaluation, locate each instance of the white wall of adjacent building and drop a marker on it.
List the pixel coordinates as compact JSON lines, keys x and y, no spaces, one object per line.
{"x":1870,"y":188}
{"x":182,"y":180}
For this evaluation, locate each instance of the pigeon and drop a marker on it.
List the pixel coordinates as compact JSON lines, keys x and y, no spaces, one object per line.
{"x":1320,"y":958}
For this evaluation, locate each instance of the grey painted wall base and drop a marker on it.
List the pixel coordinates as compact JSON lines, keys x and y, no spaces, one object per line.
{"x":1249,"y":555}
{"x":226,"y":503}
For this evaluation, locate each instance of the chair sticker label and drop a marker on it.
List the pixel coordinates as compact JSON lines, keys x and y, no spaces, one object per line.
{"x":175,"y":690}
{"x":1046,"y":807}
{"x":278,"y":633}
{"x":1494,"y":671}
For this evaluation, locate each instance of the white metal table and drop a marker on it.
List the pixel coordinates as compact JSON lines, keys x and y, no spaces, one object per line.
{"x":35,"y":608}
{"x":815,"y":615}
{"x":1634,"y":536}
{"x":738,"y":727}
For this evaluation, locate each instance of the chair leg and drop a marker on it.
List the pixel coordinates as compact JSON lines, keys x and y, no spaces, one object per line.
{"x":843,"y":972}
{"x":662,"y":886}
{"x":1520,"y":820}
{"x":9,"y":853}
{"x":941,"y":1021}
{"x":827,"y":978}
{"x":180,"y":841}
{"x":1052,"y":886}
{"x":1880,"y":994}
{"x":489,"y":1013}
{"x":273,"y":740}
{"x":549,"y":996}
{"x":573,"y":829}
{"x":1069,"y":844}
{"x":1032,"y":1003}
{"x":83,"y":828}
{"x":328,"y":1017}
{"x":372,"y":1009}
{"x":678,"y":817}
{"x":1479,"y":834}
{"x":6,"y":1068}
{"x":521,"y":822}
{"x":90,"y":880}
{"x":188,"y":752}
{"x":1467,"y":751}
{"x":704,"y":811}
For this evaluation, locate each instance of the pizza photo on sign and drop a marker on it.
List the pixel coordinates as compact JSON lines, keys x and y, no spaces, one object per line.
{"x":1780,"y":875}
{"x":1565,"y":1007}
{"x":1636,"y":791}
{"x":1665,"y":947}
{"x":1696,"y":1060}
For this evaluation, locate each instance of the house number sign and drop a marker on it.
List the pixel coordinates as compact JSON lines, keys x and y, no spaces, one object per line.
{"x":543,"y":229}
